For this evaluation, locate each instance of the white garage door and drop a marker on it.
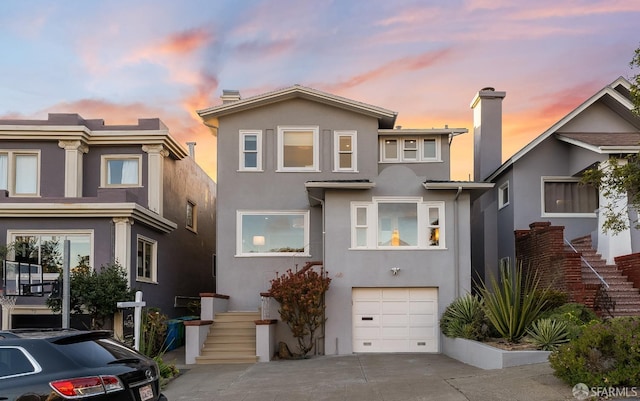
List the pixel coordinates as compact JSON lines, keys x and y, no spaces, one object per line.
{"x":395,"y":320}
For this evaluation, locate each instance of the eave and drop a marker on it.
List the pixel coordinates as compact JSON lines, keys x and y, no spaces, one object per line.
{"x":88,"y":210}
{"x":386,"y":117}
{"x":316,"y":189}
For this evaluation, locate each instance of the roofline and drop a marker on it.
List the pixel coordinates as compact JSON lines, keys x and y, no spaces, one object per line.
{"x":421,"y":131}
{"x":607,"y":90}
{"x":606,"y":149}
{"x":97,"y":137}
{"x":108,"y":210}
{"x":339,"y":185}
{"x":458,"y":185}
{"x":386,"y":115}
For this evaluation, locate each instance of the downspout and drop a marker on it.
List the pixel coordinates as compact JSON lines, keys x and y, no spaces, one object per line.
{"x":456,"y":235}
{"x":324,"y":319}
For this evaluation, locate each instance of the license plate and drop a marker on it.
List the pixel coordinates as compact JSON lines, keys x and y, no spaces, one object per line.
{"x":146,"y":392}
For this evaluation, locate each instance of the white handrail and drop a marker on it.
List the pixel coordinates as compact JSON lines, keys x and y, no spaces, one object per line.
{"x":587,"y":263}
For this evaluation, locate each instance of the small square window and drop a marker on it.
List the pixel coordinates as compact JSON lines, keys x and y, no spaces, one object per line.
{"x":298,"y":148}
{"x":121,"y":170}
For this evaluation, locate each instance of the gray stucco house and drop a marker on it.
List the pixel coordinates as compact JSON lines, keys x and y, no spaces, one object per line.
{"x":306,"y":176}
{"x":125,"y":193}
{"x":540,"y":183}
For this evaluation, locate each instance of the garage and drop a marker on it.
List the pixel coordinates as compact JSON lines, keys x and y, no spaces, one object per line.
{"x":395,"y":319}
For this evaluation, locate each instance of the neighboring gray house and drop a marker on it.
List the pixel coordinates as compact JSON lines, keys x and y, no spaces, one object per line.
{"x":304,"y":176}
{"x":539,"y":183}
{"x":126,"y":193}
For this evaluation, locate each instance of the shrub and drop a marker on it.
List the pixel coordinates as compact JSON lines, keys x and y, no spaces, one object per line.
{"x":575,"y":317}
{"x":554,"y":298}
{"x":607,"y":354}
{"x":547,"y":334}
{"x":465,"y":318}
{"x":301,"y":298}
{"x":513,"y":303}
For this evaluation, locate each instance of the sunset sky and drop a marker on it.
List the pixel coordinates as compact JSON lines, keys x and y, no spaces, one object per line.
{"x":121,"y":60}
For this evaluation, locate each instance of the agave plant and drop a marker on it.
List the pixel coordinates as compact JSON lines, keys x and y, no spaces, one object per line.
{"x":464,"y":318}
{"x":547,"y":334}
{"x":513,"y":303}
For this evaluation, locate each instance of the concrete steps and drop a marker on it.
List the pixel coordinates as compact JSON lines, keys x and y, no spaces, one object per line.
{"x":621,"y":291}
{"x":231,"y":339}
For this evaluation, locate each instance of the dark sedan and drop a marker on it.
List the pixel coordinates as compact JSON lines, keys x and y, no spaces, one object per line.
{"x":70,"y":364}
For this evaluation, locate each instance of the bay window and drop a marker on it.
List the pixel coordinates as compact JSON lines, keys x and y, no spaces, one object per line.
{"x":121,"y":170}
{"x":397,"y":223}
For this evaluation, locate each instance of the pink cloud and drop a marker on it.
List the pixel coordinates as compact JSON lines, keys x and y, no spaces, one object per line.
{"x":409,"y":63}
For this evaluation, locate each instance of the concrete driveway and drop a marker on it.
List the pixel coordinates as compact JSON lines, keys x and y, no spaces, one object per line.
{"x":370,"y":377}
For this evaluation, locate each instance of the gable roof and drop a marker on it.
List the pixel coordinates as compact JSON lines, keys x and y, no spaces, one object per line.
{"x":385,"y":117}
{"x":614,"y":95}
{"x":603,"y":142}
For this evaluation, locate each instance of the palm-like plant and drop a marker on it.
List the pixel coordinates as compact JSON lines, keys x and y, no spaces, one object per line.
{"x":513,"y":303}
{"x":548,"y":333}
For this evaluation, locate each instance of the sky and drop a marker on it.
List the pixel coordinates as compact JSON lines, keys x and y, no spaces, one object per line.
{"x":120,"y":60}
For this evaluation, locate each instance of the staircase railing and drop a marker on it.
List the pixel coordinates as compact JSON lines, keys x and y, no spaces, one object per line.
{"x":602,"y":280}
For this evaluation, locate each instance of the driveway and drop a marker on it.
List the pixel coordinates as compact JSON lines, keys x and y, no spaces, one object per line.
{"x":367,"y":377}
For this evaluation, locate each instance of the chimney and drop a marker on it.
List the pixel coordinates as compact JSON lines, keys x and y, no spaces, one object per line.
{"x":487,"y":132}
{"x":192,"y":149}
{"x":229,"y":96}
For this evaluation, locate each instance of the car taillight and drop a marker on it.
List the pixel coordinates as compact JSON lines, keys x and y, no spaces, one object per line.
{"x":87,"y":386}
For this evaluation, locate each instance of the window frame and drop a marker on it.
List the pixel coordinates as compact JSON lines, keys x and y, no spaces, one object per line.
{"x":104,"y":170}
{"x":13,"y":233}
{"x":11,"y":173}
{"x":192,"y":224}
{"x":337,"y":152}
{"x":315,"y":131}
{"x":305,"y":214}
{"x":242,"y":151}
{"x":423,"y":227}
{"x":28,"y":357}
{"x":502,"y":190}
{"x":419,"y":149}
{"x":153,"y":270}
{"x":562,"y":179}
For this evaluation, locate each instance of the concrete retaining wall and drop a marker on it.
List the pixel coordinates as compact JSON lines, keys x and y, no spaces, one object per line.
{"x":487,"y":357}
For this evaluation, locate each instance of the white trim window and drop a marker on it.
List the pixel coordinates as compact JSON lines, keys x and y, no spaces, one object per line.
{"x":146,"y":260}
{"x":272,"y":233}
{"x":46,"y":247}
{"x":250,"y":150}
{"x":345,"y":157}
{"x":397,"y":223}
{"x":415,"y":149}
{"x":121,"y":171}
{"x":567,"y":197}
{"x":503,"y":195}
{"x":20,"y":172}
{"x":298,"y":148}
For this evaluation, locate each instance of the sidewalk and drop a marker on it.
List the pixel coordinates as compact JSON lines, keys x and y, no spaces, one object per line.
{"x":370,"y":377}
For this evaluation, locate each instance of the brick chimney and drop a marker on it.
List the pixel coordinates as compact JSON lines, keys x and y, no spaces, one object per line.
{"x":487,"y":132}
{"x":229,"y":96}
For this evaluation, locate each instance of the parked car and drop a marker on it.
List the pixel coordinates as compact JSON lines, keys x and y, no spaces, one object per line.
{"x":59,"y":364}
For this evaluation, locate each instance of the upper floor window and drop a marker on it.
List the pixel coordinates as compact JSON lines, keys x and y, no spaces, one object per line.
{"x":20,"y":172}
{"x":397,"y":223}
{"x":272,"y":233}
{"x":192,"y":221}
{"x":121,"y":171}
{"x":503,"y":195}
{"x":298,"y":148}
{"x":345,"y":158}
{"x":566,"y":196}
{"x":411,"y":149}
{"x":250,"y":150}
{"x":146,"y":261}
